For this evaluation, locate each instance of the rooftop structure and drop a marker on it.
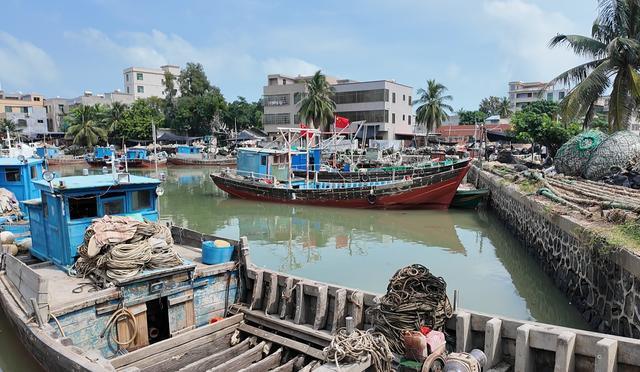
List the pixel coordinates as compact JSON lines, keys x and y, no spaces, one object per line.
{"x":385,"y":106}
{"x":143,"y":82}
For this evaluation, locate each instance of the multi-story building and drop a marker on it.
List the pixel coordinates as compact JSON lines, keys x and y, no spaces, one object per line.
{"x":57,"y":108}
{"x":521,"y":94}
{"x":144,"y":82}
{"x":384,"y":105}
{"x":26,"y":111}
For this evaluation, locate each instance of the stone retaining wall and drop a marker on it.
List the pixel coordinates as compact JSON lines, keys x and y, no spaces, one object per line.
{"x":601,"y":280}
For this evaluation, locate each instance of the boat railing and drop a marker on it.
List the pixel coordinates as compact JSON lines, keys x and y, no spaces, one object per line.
{"x":252,"y":175}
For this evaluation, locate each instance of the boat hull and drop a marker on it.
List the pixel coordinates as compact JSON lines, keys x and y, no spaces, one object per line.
{"x":429,"y":192}
{"x":379,"y":175}
{"x":202,"y":162}
{"x":64,"y":161}
{"x":468,"y":199}
{"x":145,"y":163}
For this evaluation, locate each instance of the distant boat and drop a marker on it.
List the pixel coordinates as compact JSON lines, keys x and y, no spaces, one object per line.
{"x":100,"y":157}
{"x":140,"y":158}
{"x":468,"y":197}
{"x":195,"y":156}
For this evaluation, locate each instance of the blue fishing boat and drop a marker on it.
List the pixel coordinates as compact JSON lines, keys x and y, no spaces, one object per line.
{"x":17,"y":177}
{"x":196,"y":156}
{"x":100,"y":157}
{"x":138,"y":157}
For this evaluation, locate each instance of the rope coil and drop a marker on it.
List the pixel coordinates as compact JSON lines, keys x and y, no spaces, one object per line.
{"x":356,"y":346}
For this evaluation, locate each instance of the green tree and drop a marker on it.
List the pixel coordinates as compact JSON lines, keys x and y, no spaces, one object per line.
{"x":490,"y":105}
{"x":317,"y":108}
{"x":243,"y":114}
{"x":433,"y":108}
{"x":195,"y":114}
{"x":113,"y":115}
{"x":84,"y":126}
{"x":504,"y":109}
{"x":137,"y":120}
{"x":471,"y":117}
{"x":537,"y":123}
{"x":614,"y":52}
{"x":8,"y":125}
{"x":170,"y":92}
{"x":193,"y":81}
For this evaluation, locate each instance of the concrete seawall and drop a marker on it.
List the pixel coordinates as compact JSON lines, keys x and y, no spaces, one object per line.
{"x":600,"y":279}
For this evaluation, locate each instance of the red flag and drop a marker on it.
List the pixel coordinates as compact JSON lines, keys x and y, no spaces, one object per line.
{"x":304,"y":133}
{"x":342,"y":122}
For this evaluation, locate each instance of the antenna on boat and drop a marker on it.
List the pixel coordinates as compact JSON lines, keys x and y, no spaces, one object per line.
{"x":126,"y":163}
{"x":155,"y":150}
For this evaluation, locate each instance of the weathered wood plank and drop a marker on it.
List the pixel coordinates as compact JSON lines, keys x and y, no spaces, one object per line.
{"x":125,"y":328}
{"x":463,"y":332}
{"x":256,"y":294}
{"x":220,"y":357}
{"x":356,"y":308}
{"x":265,"y":364}
{"x":339,"y":310}
{"x":291,"y":365}
{"x":303,"y":332}
{"x":175,"y":341}
{"x":493,"y":342}
{"x":241,"y":361}
{"x":271,"y":303}
{"x":298,"y":318}
{"x":285,"y":298}
{"x":321,"y":308}
{"x":184,"y":298}
{"x":277,"y":339}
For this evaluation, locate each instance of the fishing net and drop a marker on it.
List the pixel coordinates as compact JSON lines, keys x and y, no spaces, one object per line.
{"x":572,"y":157}
{"x":612,"y":155}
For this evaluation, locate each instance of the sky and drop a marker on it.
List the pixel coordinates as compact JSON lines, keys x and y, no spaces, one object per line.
{"x":474,"y":47}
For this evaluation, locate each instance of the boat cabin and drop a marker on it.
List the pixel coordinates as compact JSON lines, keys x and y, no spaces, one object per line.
{"x":261,"y":163}
{"x":102,"y":152}
{"x":47,"y":152}
{"x":188,"y":150}
{"x":137,"y":154}
{"x":67,"y":205}
{"x":19,"y":174}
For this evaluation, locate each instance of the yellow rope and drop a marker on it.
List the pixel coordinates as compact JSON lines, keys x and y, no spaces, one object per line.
{"x":128,"y":316}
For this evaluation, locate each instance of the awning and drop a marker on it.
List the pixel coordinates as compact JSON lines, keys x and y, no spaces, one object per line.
{"x":170,"y":137}
{"x":493,"y":136}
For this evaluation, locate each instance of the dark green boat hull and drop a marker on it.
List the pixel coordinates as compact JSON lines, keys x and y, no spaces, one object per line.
{"x":468,"y":199}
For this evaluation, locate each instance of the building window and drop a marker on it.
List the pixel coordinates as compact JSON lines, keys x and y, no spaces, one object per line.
{"x":409,"y":100}
{"x":21,"y":123}
{"x":360,"y":96}
{"x":298,"y":96}
{"x":141,"y":200}
{"x":61,"y":108}
{"x":284,"y":82}
{"x":8,"y":109}
{"x":140,"y":89}
{"x":276,"y":100}
{"x":403,"y":117}
{"x":373,"y":116}
{"x":126,"y":77}
{"x":393,"y":97}
{"x":550,"y":96}
{"x":404,"y":98}
{"x":560,"y":95}
{"x":24,"y":110}
{"x":128,"y":90}
{"x":40,"y":121}
{"x":277,"y":119}
{"x":37,"y":99}
{"x":393,"y":118}
{"x":82,"y":208}
{"x":139,"y":76}
{"x":12,"y":174}
{"x":409,"y":117}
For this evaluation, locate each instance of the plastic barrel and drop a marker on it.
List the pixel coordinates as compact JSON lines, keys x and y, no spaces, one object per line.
{"x":216,"y":252}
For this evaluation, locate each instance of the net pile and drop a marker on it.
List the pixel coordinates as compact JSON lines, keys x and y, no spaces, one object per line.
{"x":613,"y":154}
{"x":414,"y":298}
{"x":9,"y":205}
{"x":572,"y":157}
{"x":121,"y":247}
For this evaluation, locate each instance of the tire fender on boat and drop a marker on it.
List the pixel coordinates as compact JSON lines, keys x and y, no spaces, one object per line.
{"x":364,"y":177}
{"x":371,"y":198}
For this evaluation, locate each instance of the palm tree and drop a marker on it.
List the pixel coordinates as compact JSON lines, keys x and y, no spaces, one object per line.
{"x":614,"y":52}
{"x":318,"y":107}
{"x":8,"y":125}
{"x":433,"y":109}
{"x":504,"y":108}
{"x":85,"y":129}
{"x":113,"y":116}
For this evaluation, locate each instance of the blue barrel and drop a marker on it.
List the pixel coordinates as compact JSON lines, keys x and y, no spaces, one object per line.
{"x":346,"y":167}
{"x":216,"y":252}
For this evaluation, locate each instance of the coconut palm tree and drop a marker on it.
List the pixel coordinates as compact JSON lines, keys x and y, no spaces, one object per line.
{"x":504,"y":108}
{"x":614,"y":53}
{"x":433,"y":108}
{"x":112,"y":117}
{"x":317,"y":108}
{"x":8,"y":125}
{"x":85,"y":129}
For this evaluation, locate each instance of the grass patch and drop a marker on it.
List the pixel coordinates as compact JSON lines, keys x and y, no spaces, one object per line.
{"x":529,"y":186}
{"x":626,"y":235}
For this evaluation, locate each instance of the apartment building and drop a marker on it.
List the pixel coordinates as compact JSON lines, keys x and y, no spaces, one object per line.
{"x":521,"y":94}
{"x":144,"y":82}
{"x":57,"y":108}
{"x":384,"y":105}
{"x":26,"y":111}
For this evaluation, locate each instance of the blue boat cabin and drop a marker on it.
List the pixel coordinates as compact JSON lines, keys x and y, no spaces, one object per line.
{"x":47,"y":152}
{"x":188,"y":150}
{"x":135,"y":154}
{"x":102,"y":152}
{"x":19,"y":175}
{"x":66,"y":208}
{"x":259,"y":162}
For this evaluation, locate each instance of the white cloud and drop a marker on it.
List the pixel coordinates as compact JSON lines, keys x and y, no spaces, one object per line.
{"x":289,"y":66}
{"x":523,"y":31}
{"x":24,"y":64}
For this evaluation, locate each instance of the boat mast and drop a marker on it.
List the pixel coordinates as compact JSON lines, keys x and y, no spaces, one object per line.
{"x":155,"y":150}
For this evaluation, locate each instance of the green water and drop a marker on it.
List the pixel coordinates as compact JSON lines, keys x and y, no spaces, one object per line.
{"x":471,"y":250}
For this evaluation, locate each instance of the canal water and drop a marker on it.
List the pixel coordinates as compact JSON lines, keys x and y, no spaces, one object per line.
{"x":471,"y":250}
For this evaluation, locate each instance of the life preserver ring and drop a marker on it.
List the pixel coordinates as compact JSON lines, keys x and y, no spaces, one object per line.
{"x":371,"y":198}
{"x":364,"y":177}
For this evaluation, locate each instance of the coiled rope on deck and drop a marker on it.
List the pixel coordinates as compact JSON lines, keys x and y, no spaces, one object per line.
{"x":414,"y":298}
{"x":121,"y":247}
{"x":356,"y":346}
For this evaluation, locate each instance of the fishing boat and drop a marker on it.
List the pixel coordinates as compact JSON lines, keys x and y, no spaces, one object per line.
{"x":101,"y":156}
{"x":195,"y":156}
{"x":226,"y":315}
{"x":55,"y":157}
{"x":468,"y":197}
{"x":138,"y":157}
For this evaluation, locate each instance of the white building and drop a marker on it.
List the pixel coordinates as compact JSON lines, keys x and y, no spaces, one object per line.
{"x":522,"y":94}
{"x":26,"y":111}
{"x":384,"y":105}
{"x":144,"y":82}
